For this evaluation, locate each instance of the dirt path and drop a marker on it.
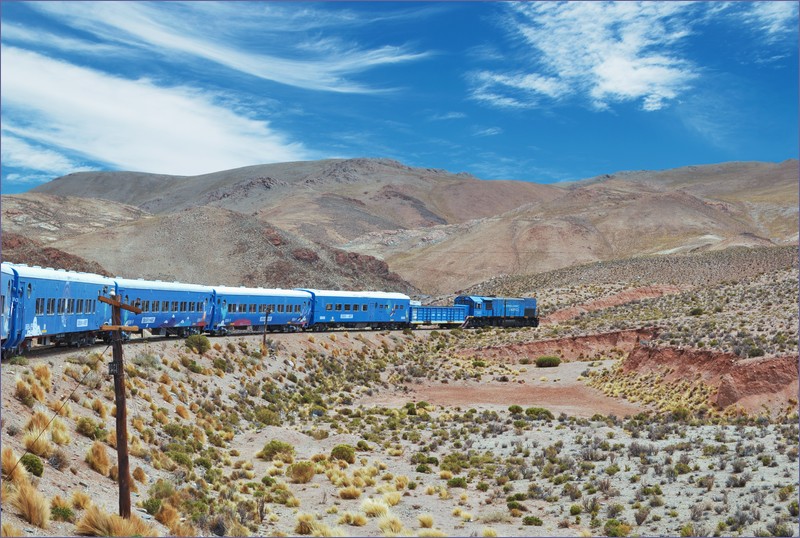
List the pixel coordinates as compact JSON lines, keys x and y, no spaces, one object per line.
{"x":627,"y":296}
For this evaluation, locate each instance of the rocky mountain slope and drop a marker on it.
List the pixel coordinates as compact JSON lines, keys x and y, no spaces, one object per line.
{"x":439,"y":231}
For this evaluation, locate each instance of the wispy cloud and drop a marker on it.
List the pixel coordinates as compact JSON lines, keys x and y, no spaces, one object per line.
{"x":130,"y":124}
{"x":487,"y":131}
{"x":604,"y":52}
{"x":18,"y":153}
{"x":448,"y":116}
{"x":318,"y":63}
{"x":773,"y":18}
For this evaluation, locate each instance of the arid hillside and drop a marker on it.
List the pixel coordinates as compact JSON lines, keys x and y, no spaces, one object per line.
{"x":440,"y":232}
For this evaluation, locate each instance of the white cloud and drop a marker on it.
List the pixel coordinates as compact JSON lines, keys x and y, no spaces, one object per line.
{"x":774,"y":18}
{"x":186,"y":29}
{"x":448,"y":116}
{"x":606,"y":52}
{"x":130,"y":124}
{"x":17,"y":153}
{"x":488,"y":131}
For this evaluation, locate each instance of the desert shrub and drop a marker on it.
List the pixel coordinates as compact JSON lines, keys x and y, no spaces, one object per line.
{"x":152,"y":505}
{"x":301,"y":472}
{"x":59,"y":433}
{"x":614,"y":527}
{"x":267,"y":416}
{"x":274,"y":448}
{"x":87,"y":427}
{"x":198,"y":342}
{"x":33,"y":464}
{"x":31,"y":504}
{"x":37,"y":442}
{"x":425,"y":521}
{"x":457,"y":482}
{"x":539,"y":413}
{"x":515,"y":409}
{"x":696,"y":311}
{"x":62,"y":513}
{"x":344,"y":452}
{"x":548,"y":361}
{"x":532,"y":520}
{"x":80,"y":500}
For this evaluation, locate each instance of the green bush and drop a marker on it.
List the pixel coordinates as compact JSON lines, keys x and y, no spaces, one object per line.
{"x":614,"y":527}
{"x":548,"y":361}
{"x":87,"y":427}
{"x":423,"y":468}
{"x":275,"y":447}
{"x":33,"y":464}
{"x":199,"y":343}
{"x":532,"y":520}
{"x":152,"y":505}
{"x":539,"y":413}
{"x":363,"y":445}
{"x":161,"y":489}
{"x":344,"y":452}
{"x":267,"y":416}
{"x":457,"y":482}
{"x":62,"y":513}
{"x":515,"y":409}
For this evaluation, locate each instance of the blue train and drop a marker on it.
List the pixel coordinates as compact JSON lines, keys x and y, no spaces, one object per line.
{"x":50,"y":306}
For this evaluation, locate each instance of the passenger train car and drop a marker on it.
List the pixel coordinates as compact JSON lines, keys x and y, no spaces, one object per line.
{"x":49,"y":306}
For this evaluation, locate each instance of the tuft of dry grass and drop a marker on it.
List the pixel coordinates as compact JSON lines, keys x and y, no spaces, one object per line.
{"x":183,"y":529}
{"x":97,"y":458}
{"x":38,"y":421}
{"x":31,"y":504}
{"x":182,"y":412}
{"x":139,"y":475}
{"x":43,"y":374}
{"x":392,"y":498}
{"x":96,"y":522}
{"x":356,"y":520}
{"x":350,"y":492}
{"x":59,"y":433}
{"x":9,"y":460}
{"x":305,"y":524}
{"x":301,"y":472}
{"x":374,"y":508}
{"x":431,"y":532}
{"x":425,"y":521}
{"x":80,"y":500}
{"x":64,"y":410}
{"x":38,"y":393}
{"x":488,"y":532}
{"x":11,"y":530}
{"x":168,"y":515}
{"x":390,"y":525}
{"x":100,"y":408}
{"x":37,"y":442}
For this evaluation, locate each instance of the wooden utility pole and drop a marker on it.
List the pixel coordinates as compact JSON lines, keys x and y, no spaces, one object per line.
{"x":117,"y":369}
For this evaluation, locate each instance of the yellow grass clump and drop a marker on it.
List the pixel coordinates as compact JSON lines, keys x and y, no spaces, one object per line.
{"x":31,"y":504}
{"x":59,"y":433}
{"x":305,"y":524}
{"x":42,"y":373}
{"x":80,"y":500}
{"x":9,"y":459}
{"x":139,"y":475}
{"x":96,"y":522}
{"x":430,"y":532}
{"x":301,"y":472}
{"x":392,"y":498}
{"x":350,"y":492}
{"x":37,"y":393}
{"x":390,"y":525}
{"x":374,"y":508}
{"x":183,"y":529}
{"x":97,"y":458}
{"x":64,"y":409}
{"x":488,"y":532}
{"x":38,"y":421}
{"x":182,"y":412}
{"x":11,"y":530}
{"x":36,"y":441}
{"x":425,"y":521}
{"x":168,"y":515}
{"x":356,"y":520}
{"x":100,"y":408}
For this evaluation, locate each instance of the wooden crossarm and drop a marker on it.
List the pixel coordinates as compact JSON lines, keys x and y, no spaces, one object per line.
{"x":123,"y":306}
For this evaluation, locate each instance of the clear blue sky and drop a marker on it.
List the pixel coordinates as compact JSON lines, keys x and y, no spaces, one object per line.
{"x":536,"y":91}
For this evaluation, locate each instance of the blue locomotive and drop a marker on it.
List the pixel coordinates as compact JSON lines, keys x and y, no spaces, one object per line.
{"x":49,"y":306}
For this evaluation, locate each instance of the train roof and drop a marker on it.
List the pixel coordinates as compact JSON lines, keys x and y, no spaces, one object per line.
{"x":261,"y":292}
{"x":482,"y":298}
{"x":48,"y":273}
{"x":358,"y":294}
{"x":160,"y":285}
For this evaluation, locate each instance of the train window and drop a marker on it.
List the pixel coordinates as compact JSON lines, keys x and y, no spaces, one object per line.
{"x":328,"y":307}
{"x":488,"y":305}
{"x":192,"y":307}
{"x":183,"y":306}
{"x":338,"y":307}
{"x":174,"y":306}
{"x":30,"y":290}
{"x":39,"y":306}
{"x":165,"y":306}
{"x":79,"y":307}
{"x":3,"y":304}
{"x":62,"y":306}
{"x":262,"y":308}
{"x":280,"y":308}
{"x":155,"y":306}
{"x":252,"y":308}
{"x":51,"y":307}
{"x":297,"y":308}
{"x":363,"y":308}
{"x":70,"y":306}
{"x":347,"y":308}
